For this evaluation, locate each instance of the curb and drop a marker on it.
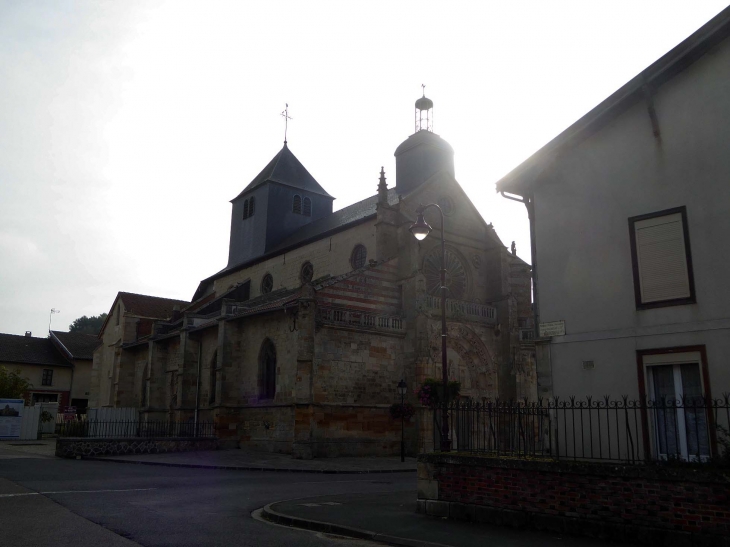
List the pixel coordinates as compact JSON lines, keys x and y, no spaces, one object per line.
{"x":255,"y":468}
{"x":318,"y":526}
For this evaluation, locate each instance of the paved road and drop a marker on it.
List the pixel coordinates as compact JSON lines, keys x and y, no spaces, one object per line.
{"x":53,"y":502}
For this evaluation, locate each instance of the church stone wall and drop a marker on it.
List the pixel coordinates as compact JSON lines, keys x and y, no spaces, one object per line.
{"x":356,"y":367}
{"x":330,"y":255}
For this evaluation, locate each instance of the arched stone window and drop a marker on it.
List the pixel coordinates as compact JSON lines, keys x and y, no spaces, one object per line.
{"x":297,"y":205}
{"x":358,"y":256}
{"x":245,"y":210}
{"x":267,"y":370}
{"x":267,"y":283}
{"x":213,"y":378}
{"x":307,"y":207}
{"x":307,"y":272}
{"x":251,"y":206}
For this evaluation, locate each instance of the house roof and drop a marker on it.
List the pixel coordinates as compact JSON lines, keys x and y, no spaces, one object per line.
{"x":523,"y":177}
{"x":76,"y":344}
{"x":150,"y":306}
{"x":286,"y":169}
{"x":145,"y":306}
{"x":30,"y":350}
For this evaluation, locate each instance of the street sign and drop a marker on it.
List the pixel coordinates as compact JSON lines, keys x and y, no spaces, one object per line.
{"x":11,"y":416}
{"x":553,"y":328}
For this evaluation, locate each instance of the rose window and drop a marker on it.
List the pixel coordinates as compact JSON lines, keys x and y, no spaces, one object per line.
{"x":455,"y":274}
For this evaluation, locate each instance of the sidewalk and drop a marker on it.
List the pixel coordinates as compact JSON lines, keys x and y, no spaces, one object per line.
{"x":13,"y":449}
{"x":391,"y":518}
{"x":251,"y":460}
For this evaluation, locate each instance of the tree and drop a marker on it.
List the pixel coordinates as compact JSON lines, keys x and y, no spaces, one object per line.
{"x":12,"y":384}
{"x":88,"y":325}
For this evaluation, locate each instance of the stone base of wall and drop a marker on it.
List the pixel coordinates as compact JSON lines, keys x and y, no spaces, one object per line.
{"x":648,"y":505}
{"x":72,"y":447}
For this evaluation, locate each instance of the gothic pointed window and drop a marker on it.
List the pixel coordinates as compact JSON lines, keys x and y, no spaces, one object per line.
{"x":456,"y":279}
{"x":245,"y":210}
{"x":251,"y":206}
{"x":358,"y":256}
{"x":267,"y":283}
{"x":307,"y":207}
{"x":297,"y":205}
{"x":267,"y":370}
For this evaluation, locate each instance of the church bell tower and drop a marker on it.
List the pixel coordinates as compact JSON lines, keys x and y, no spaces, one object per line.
{"x":424,"y":153}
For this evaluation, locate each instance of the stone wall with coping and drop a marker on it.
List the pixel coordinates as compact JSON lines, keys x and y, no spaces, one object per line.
{"x":652,"y":505}
{"x":72,"y":447}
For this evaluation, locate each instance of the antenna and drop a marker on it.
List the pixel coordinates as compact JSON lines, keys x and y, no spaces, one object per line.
{"x":50,"y":316}
{"x":286,"y":116}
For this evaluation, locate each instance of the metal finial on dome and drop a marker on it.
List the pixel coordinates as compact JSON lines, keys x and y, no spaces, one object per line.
{"x":424,"y":115}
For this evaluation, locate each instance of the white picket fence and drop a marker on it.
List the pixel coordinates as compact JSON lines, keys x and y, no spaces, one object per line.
{"x":112,"y":422}
{"x":29,"y":423}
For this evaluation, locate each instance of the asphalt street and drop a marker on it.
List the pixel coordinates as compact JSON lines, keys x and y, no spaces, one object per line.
{"x":55,"y":502}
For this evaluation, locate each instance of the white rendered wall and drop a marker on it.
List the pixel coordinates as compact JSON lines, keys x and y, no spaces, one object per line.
{"x":583,"y":251}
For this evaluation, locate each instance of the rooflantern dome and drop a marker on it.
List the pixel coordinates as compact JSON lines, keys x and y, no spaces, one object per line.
{"x":424,"y":113}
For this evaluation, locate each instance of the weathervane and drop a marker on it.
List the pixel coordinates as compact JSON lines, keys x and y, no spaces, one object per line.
{"x":286,"y":116}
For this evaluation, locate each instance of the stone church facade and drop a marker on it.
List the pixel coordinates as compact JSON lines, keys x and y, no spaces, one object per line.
{"x":299,"y":343}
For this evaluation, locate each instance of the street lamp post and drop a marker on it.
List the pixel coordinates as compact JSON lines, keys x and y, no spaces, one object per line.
{"x":402,"y":388}
{"x":420,"y":230}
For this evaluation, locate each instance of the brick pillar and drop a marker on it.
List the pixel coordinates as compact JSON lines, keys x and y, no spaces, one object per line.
{"x":157,"y":362}
{"x":303,"y":446}
{"x":386,"y":231}
{"x":124,"y":392}
{"x":187,"y":374}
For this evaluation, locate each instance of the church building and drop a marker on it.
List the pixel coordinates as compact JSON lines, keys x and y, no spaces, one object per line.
{"x":299,"y":343}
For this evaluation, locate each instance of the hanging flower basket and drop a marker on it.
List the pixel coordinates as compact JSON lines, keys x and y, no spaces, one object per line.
{"x":430,"y":393}
{"x":406,"y":411}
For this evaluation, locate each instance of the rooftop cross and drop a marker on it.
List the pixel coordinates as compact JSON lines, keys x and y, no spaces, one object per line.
{"x":286,"y":116}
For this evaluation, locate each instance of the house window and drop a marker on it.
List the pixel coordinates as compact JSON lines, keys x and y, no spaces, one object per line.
{"x":358,"y":257}
{"x":661,"y":259}
{"x":297,"y":205}
{"x":267,"y":370}
{"x":47,"y":379}
{"x":245,"y":210}
{"x":267,"y":283}
{"x":307,"y":272}
{"x":678,"y":419}
{"x":307,"y":207}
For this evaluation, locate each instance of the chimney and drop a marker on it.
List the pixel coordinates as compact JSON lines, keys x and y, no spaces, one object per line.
{"x":28,"y":333}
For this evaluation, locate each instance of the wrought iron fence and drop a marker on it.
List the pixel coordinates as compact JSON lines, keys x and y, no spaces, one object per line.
{"x":604,"y":429}
{"x":133,"y":428}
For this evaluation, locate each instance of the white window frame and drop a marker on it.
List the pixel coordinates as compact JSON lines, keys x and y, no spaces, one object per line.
{"x":675,"y":360}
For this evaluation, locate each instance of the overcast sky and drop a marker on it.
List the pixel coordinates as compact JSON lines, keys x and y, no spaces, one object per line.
{"x":126,"y":127}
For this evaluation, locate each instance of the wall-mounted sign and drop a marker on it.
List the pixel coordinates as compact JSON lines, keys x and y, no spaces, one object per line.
{"x":554,"y":328}
{"x":11,"y":414}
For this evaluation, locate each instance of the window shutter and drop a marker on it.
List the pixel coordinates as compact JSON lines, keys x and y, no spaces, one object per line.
{"x":662,"y":258}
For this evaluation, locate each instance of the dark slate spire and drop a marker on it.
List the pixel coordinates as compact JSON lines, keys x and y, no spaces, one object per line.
{"x":286,"y":169}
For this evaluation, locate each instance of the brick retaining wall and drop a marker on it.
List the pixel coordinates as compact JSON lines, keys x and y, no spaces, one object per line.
{"x":71,"y":447}
{"x":652,"y":505}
